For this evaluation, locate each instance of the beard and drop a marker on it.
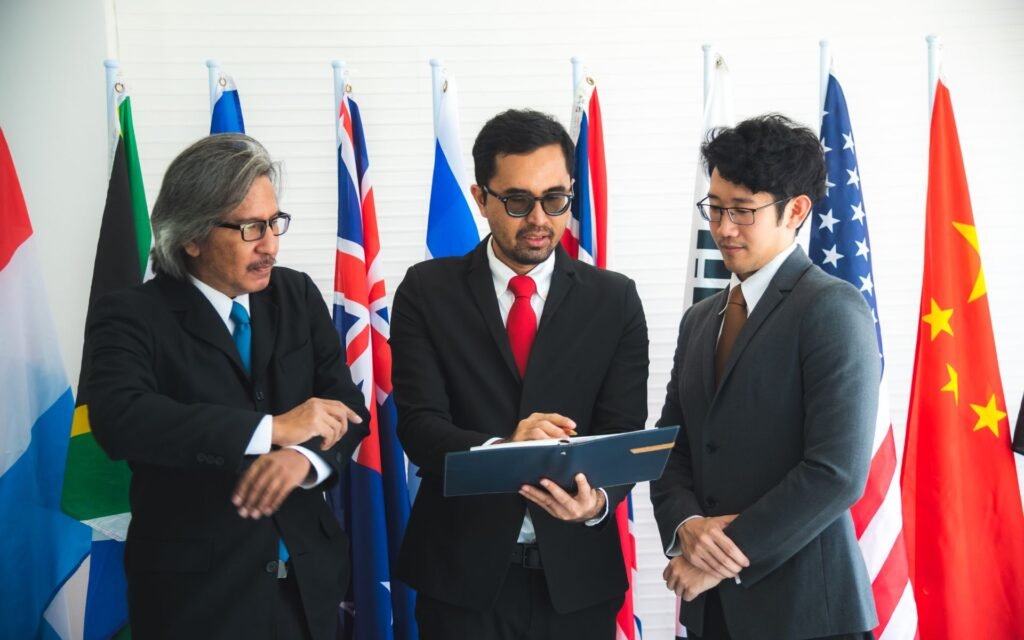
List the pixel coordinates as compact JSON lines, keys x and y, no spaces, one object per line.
{"x":520,"y":252}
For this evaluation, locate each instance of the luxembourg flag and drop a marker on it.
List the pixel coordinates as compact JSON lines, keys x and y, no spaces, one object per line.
{"x":451,"y":230}
{"x":588,"y":228}
{"x":225,"y":106}
{"x":41,"y":546}
{"x":372,"y":499}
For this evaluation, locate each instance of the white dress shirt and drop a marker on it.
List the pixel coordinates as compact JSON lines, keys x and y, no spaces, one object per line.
{"x":541,"y":274}
{"x":260,"y":442}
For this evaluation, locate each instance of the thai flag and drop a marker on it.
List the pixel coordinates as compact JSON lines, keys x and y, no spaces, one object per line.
{"x":451,"y":230}
{"x":371,"y":500}
{"x":41,"y":547}
{"x":588,"y":228}
{"x":585,"y":240}
{"x":226,"y":107}
{"x":840,"y":245}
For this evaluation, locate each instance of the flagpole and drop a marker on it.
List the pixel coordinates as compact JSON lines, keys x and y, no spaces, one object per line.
{"x":577,"y":72}
{"x":340,"y":80}
{"x":438,"y":88}
{"x":112,"y":70}
{"x":933,"y":68}
{"x":825,"y":68}
{"x":213,"y":68}
{"x":709,"y":69}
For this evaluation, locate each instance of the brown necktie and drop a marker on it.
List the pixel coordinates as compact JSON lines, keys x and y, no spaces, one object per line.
{"x":735,"y":317}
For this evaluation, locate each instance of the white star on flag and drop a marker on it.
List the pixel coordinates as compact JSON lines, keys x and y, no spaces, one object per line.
{"x":862,"y":248}
{"x":824,"y":147}
{"x":848,"y":141}
{"x":827,"y":221}
{"x":866,"y":284}
{"x":832,"y":256}
{"x":858,"y":213}
{"x":828,"y":185}
{"x":854,"y":178}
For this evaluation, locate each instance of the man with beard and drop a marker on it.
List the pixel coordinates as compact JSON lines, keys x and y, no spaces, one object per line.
{"x":516,"y":341}
{"x":223,"y":384}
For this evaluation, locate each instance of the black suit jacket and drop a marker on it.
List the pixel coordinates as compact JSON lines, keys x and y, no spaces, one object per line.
{"x":169,"y":395}
{"x":457,"y":386}
{"x":785,"y":442}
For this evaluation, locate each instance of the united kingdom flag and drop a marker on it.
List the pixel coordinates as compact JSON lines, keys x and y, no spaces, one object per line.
{"x":840,"y":245}
{"x":371,"y":500}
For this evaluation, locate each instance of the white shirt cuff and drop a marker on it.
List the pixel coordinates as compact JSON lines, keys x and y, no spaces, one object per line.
{"x":674,"y":549}
{"x":596,"y":520}
{"x":490,"y":442}
{"x":319,"y":470}
{"x":260,"y":441}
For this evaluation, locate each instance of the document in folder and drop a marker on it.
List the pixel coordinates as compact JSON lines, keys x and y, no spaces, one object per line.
{"x":606,"y":461}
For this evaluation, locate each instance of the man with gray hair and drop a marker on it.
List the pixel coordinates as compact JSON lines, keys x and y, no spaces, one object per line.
{"x":223,"y":384}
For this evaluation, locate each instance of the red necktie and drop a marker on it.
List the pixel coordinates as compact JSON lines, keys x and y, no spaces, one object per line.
{"x":522,"y":321}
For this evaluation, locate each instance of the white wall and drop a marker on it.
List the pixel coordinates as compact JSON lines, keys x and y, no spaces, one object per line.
{"x":646,"y":57}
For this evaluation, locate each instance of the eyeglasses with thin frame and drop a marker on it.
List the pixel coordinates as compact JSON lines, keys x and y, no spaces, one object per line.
{"x":253,"y":231}
{"x":743,"y":216}
{"x":519,"y":205}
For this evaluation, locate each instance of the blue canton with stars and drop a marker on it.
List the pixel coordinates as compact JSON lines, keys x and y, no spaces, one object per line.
{"x":840,"y":243}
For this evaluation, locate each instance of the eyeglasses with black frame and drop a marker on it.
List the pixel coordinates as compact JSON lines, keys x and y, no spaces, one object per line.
{"x":253,"y":231}
{"x":519,"y":205}
{"x":743,"y":216}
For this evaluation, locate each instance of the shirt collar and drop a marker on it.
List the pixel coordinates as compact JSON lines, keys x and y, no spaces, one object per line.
{"x":220,"y":301}
{"x":501,"y":273}
{"x":755,"y":286}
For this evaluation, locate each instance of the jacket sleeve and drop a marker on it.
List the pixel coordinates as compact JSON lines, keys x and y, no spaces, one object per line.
{"x":840,"y":371}
{"x":673,"y":496}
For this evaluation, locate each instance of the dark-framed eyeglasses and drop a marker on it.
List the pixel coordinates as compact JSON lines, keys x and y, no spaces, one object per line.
{"x":519,"y":205}
{"x":742,"y":216}
{"x":253,"y":231}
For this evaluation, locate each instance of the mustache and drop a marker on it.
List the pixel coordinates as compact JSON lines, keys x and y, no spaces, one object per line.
{"x":267,"y":261}
{"x":534,"y":229}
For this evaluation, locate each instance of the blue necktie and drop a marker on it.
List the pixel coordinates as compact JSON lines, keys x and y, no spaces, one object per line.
{"x":243,"y":342}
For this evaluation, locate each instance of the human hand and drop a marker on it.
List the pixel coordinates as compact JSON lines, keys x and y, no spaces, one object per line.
{"x":315,"y":417}
{"x":587,"y":504}
{"x":543,"y":426}
{"x":268,"y":481}
{"x":705,"y":546}
{"x":686,"y":580}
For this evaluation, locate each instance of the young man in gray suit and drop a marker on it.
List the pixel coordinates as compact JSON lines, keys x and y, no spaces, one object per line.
{"x":775,"y":384}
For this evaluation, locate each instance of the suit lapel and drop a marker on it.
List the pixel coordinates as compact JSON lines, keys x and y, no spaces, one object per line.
{"x":199,"y":318}
{"x":547,"y":342}
{"x":481,"y":286}
{"x":265,"y":315}
{"x":781,"y":284}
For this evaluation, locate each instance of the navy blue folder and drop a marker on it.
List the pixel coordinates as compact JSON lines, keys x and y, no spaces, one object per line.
{"x":606,"y":461}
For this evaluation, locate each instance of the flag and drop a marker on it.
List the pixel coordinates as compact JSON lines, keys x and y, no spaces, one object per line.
{"x":706,"y":273}
{"x":95,"y":487}
{"x":41,"y":547}
{"x":587,"y":232}
{"x":961,"y":505}
{"x":840,"y":245}
{"x":586,"y":240}
{"x":226,"y":109}
{"x":451,"y":230}
{"x":372,"y":500}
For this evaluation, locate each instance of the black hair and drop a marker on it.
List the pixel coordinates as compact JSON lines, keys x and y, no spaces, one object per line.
{"x":769,"y":153}
{"x":516,"y":132}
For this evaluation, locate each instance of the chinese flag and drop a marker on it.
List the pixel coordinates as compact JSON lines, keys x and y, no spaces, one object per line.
{"x":961,"y":505}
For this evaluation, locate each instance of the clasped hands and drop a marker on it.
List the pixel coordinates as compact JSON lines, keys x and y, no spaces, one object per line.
{"x":587,"y":503}
{"x":708,"y":557}
{"x":274,"y":475}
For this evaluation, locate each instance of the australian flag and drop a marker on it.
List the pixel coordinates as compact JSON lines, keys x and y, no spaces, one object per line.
{"x":371,"y":499}
{"x":840,"y":245}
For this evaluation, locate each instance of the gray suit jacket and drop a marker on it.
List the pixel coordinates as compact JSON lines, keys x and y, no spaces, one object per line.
{"x":785,"y":442}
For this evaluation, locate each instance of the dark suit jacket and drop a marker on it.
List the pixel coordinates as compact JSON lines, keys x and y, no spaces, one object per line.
{"x":456,"y":386}
{"x":785,"y":442}
{"x":169,"y":395}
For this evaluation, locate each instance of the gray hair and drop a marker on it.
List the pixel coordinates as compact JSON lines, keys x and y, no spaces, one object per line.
{"x":203,"y":184}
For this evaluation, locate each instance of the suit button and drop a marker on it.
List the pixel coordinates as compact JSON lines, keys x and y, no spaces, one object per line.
{"x":259,"y":396}
{"x":712,"y":502}
{"x":271,"y":567}
{"x":201,"y":457}
{"x":219,"y":461}
{"x":711,"y":447}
